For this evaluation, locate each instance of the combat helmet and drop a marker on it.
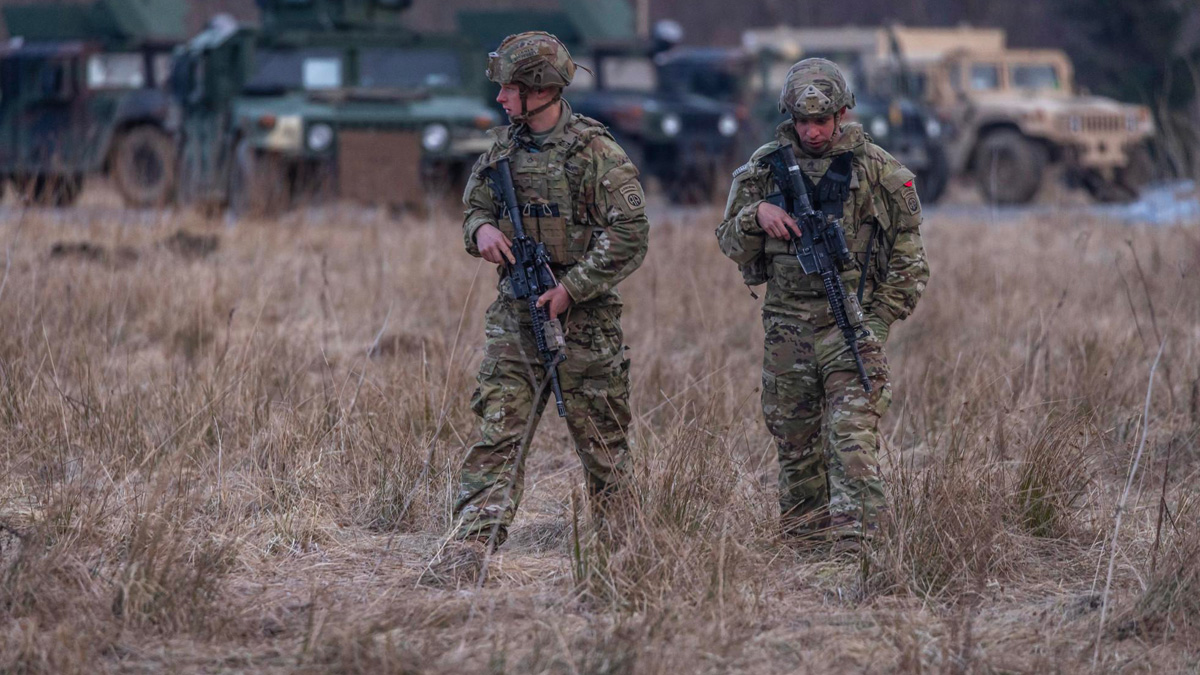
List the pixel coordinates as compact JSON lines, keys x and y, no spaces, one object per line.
{"x":533,"y":60}
{"x":814,"y":88}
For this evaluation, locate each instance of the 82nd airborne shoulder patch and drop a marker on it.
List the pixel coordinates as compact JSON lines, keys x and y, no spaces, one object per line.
{"x":909,"y":194}
{"x":632,"y":194}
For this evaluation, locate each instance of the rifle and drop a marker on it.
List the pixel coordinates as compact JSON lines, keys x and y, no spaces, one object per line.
{"x":530,"y":277}
{"x":821,"y":249}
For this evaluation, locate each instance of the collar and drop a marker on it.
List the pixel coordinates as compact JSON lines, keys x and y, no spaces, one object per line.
{"x":524,"y":137}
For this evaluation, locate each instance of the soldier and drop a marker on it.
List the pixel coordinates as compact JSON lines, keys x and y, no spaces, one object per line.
{"x":825,"y":425}
{"x":580,"y":196}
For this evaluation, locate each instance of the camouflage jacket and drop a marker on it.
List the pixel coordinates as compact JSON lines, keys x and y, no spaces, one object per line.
{"x":883,"y":205}
{"x":580,"y":197}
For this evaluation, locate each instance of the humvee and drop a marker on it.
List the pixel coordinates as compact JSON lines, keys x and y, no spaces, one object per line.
{"x":1015,"y":112}
{"x":82,"y":93}
{"x":329,"y":98}
{"x":1011,"y":113}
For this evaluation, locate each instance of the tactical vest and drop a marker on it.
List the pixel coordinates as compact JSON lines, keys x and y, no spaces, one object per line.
{"x":860,"y":220}
{"x":554,"y":206}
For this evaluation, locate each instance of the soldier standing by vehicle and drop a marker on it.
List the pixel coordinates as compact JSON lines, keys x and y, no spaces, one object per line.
{"x":825,"y":422}
{"x":579,"y":196}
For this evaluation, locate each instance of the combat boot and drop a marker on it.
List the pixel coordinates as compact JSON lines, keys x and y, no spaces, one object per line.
{"x":804,"y":531}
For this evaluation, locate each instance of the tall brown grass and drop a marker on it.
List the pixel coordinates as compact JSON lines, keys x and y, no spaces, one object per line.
{"x":241,"y":459}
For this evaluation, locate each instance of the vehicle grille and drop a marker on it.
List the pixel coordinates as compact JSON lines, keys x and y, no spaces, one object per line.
{"x":379,"y":167}
{"x":699,"y":124}
{"x":1093,"y":124}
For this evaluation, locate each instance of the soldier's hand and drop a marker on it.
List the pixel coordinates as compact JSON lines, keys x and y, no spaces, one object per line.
{"x":493,"y":245}
{"x":557,"y":298}
{"x":776,"y":222}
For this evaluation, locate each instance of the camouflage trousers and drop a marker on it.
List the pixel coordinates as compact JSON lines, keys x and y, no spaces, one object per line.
{"x":826,"y":426}
{"x":595,"y":387}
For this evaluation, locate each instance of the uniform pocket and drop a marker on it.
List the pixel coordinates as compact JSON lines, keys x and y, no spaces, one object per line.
{"x":486,"y":369}
{"x":789,"y":279}
{"x":551,"y":230}
{"x":506,"y":226}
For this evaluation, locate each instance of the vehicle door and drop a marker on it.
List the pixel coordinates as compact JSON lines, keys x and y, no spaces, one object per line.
{"x":52,"y":124}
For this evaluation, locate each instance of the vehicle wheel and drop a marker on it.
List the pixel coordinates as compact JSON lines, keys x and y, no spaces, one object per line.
{"x":258,"y":185}
{"x":143,"y":167}
{"x":1008,"y":167}
{"x":932,"y":180}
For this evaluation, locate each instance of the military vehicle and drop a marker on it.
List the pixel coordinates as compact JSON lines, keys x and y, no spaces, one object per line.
{"x":82,"y":93}
{"x":1012,"y":113}
{"x":329,"y":98}
{"x":684,"y":140}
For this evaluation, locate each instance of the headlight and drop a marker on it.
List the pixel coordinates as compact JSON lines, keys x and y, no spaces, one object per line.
{"x":727,"y":125}
{"x":319,"y":136}
{"x":435,"y":137}
{"x":879,"y":127}
{"x":933,"y":128}
{"x":671,"y":125}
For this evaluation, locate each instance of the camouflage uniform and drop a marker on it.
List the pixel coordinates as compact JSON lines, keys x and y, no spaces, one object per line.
{"x":582,"y":199}
{"x":825,"y":425}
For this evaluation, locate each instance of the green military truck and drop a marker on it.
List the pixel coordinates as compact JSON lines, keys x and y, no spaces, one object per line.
{"x":82,"y":93}
{"x":327,"y":99}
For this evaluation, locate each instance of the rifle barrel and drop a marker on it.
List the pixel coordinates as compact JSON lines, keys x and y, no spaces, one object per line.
{"x":509,"y":193}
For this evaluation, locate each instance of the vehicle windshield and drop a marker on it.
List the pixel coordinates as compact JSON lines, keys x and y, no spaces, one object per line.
{"x":116,"y":71}
{"x":705,"y":81}
{"x":381,"y":67}
{"x":629,"y":73}
{"x":984,"y":76}
{"x":296,"y":69}
{"x":1034,"y":76}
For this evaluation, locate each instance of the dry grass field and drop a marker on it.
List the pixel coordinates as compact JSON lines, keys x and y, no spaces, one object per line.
{"x":231,"y":449}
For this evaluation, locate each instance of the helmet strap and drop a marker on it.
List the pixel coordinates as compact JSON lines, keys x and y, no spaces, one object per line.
{"x":526,"y":114}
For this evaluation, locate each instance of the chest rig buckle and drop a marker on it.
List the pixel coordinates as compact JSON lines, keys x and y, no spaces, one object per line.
{"x":531,"y":210}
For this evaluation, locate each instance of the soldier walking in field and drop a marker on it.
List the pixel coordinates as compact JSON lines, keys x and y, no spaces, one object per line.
{"x":579,"y":196}
{"x":825,"y":422}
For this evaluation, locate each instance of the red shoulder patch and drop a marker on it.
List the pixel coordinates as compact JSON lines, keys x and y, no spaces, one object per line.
{"x":908,"y":184}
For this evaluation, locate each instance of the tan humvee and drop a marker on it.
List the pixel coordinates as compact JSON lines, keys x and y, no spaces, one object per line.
{"x":1013,"y":112}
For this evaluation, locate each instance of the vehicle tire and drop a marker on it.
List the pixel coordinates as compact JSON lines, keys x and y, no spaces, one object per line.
{"x":258,"y":185}
{"x":143,"y":166}
{"x":932,"y":180}
{"x":1008,"y":167}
